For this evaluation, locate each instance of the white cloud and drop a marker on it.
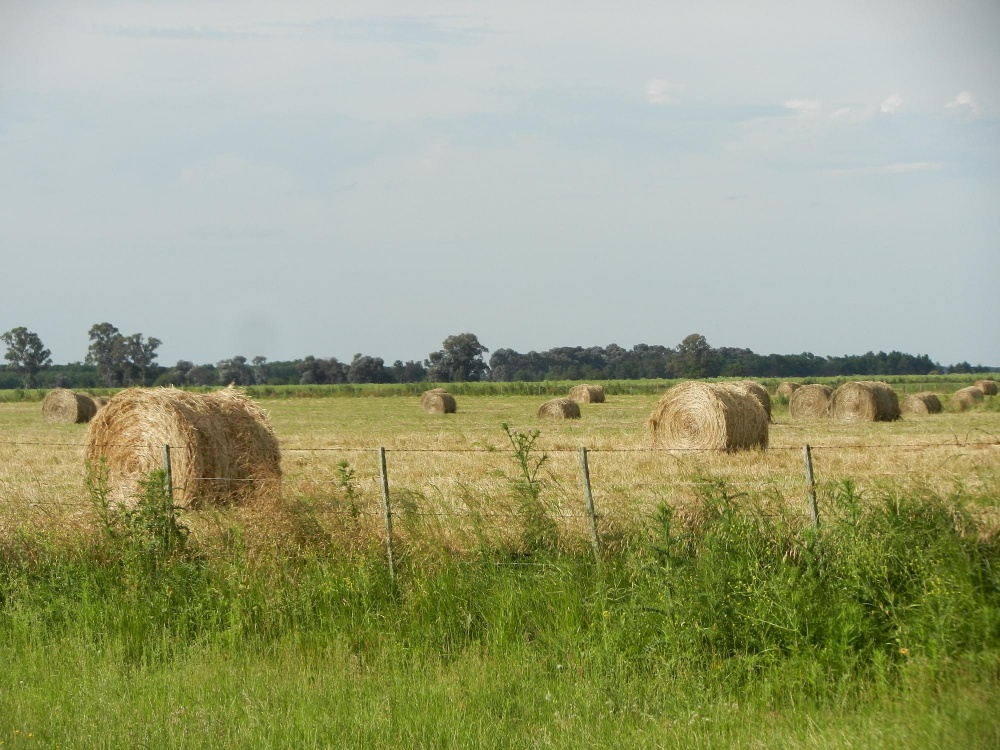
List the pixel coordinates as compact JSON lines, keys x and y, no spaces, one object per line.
{"x":965,"y":102}
{"x":659,"y":91}
{"x":804,"y":106}
{"x":890,"y":105}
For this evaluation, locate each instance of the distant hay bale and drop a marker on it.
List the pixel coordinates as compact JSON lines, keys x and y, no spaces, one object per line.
{"x":99,"y":401}
{"x":63,"y":405}
{"x":787,"y":388}
{"x":810,"y":401}
{"x":965,"y":398}
{"x":924,"y":402}
{"x":559,"y":408}
{"x":587,"y":394}
{"x":864,"y":401}
{"x":759,"y":392}
{"x":988,"y":387}
{"x":222,"y":446}
{"x":709,"y":416}
{"x":438,"y":401}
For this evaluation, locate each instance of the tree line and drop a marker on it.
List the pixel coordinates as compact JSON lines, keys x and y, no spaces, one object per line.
{"x":117,"y":360}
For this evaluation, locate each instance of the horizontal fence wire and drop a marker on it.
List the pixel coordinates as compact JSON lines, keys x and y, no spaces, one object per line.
{"x":20,"y":487}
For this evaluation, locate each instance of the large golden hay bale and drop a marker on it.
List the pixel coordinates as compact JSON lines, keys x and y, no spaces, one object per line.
{"x":787,"y":388}
{"x":438,"y":401}
{"x":587,"y":394}
{"x":63,"y":405}
{"x":965,"y":398}
{"x":709,"y":416}
{"x":810,"y":401}
{"x":924,"y":402}
{"x":864,"y":401}
{"x":222,"y":446}
{"x":759,"y":392}
{"x":559,"y":408}
{"x":988,"y":387}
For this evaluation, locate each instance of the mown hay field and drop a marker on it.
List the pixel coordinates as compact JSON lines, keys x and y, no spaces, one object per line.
{"x":452,"y":477}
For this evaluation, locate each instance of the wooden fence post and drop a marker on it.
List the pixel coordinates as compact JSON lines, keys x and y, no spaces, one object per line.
{"x":168,"y":480}
{"x":810,"y":486}
{"x":386,"y":512}
{"x":588,"y":498}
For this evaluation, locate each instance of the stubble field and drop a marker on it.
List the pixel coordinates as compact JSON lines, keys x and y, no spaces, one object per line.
{"x":717,"y":618}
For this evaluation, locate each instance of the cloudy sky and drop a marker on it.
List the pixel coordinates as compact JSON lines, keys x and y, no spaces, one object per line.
{"x":285,"y":179}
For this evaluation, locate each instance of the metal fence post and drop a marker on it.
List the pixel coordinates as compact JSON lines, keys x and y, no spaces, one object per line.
{"x":386,"y":512}
{"x":588,"y":498}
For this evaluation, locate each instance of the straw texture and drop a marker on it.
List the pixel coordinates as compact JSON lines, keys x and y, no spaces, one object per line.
{"x":965,"y":398}
{"x":709,"y":416}
{"x":759,"y":392}
{"x":924,"y":402}
{"x":559,"y":408}
{"x":810,"y":401}
{"x":787,"y":388}
{"x":587,"y":394}
{"x":63,"y":405}
{"x":438,"y":401}
{"x":988,"y":387}
{"x":223,"y":448}
{"x":864,"y":401}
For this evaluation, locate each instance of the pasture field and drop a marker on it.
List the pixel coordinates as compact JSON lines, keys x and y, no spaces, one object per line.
{"x":718,"y":617}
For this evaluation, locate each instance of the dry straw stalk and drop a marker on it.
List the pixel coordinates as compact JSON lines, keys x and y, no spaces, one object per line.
{"x":810,"y":401}
{"x":559,"y":408}
{"x":709,"y":416}
{"x":438,"y":401}
{"x":63,"y":405}
{"x":924,"y":402}
{"x":223,"y":448}
{"x":587,"y":394}
{"x":864,"y":401}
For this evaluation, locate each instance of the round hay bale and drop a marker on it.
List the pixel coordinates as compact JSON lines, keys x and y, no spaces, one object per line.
{"x":965,"y":398}
{"x":759,"y":392}
{"x":864,"y":401}
{"x":63,"y":405}
{"x":438,"y":401}
{"x":222,"y":446}
{"x":988,"y":387}
{"x":709,"y":416}
{"x":810,"y":401}
{"x":99,"y":401}
{"x":924,"y":402}
{"x":559,"y":408}
{"x":787,"y":388}
{"x":587,"y":394}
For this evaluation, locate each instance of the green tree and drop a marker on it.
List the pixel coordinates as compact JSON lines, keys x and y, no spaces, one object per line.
{"x":26,"y":354}
{"x":259,"y":370}
{"x":693,"y":353}
{"x":235,"y":371}
{"x":107,"y":352}
{"x":460,"y":360}
{"x":140,"y":354}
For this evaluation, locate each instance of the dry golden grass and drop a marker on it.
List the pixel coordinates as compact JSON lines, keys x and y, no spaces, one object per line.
{"x":451,"y":478}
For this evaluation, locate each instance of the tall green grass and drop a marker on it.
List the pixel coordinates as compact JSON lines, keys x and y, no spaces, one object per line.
{"x":738,"y":617}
